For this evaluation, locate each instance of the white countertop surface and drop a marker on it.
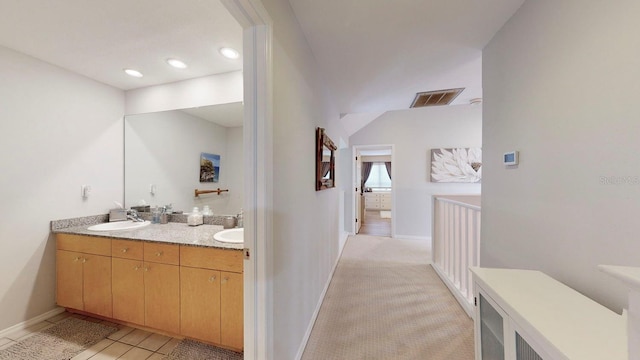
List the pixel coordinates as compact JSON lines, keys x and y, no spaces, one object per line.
{"x":573,"y":324}
{"x":627,"y":274}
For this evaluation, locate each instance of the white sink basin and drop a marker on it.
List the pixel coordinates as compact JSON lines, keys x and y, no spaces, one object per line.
{"x":230,"y":236}
{"x":118,"y":225}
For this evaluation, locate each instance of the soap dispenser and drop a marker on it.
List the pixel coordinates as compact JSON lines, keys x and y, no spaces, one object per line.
{"x":240,"y":219}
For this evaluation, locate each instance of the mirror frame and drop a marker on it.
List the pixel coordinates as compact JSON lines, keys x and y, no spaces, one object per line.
{"x":322,"y":141}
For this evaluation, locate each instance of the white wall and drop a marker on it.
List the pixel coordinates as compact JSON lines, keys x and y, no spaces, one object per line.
{"x":59,"y":131}
{"x":414,"y":133}
{"x":207,"y":90}
{"x":163,"y":148}
{"x":305,"y":221}
{"x":561,"y":82}
{"x":233,"y":171}
{"x":344,"y":168}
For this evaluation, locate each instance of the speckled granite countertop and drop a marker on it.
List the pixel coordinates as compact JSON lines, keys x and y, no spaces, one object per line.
{"x":174,"y":233}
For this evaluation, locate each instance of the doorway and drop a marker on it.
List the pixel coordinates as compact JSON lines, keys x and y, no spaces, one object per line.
{"x":374,"y":197}
{"x":258,"y":184}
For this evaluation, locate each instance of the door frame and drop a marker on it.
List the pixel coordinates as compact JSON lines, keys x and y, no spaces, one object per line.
{"x":356,"y":151}
{"x":258,"y":179}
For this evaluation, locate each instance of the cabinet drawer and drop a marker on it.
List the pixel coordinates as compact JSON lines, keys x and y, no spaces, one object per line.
{"x":162,"y":253}
{"x":127,"y":249}
{"x":211,"y":258}
{"x":84,"y":244}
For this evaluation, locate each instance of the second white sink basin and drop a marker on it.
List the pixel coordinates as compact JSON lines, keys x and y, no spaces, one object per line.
{"x":230,"y":235}
{"x":119,"y":225}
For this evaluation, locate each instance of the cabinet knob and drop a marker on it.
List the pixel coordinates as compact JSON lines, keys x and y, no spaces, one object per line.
{"x":76,"y":259}
{"x":136,"y":268}
{"x":212,"y":279}
{"x":146,"y":269}
{"x":225,"y":279}
{"x":159,"y":253}
{"x":125,"y":250}
{"x":84,"y":260}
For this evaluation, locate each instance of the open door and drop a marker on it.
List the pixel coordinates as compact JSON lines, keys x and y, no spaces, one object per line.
{"x":358,"y":193}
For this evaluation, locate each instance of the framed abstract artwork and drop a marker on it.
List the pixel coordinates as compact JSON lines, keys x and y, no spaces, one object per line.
{"x":456,"y":165}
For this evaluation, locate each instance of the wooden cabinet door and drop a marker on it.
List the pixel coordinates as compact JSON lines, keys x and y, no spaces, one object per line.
{"x":231,"y":310}
{"x":128,"y":290}
{"x":97,"y":284}
{"x":162,"y":296}
{"x":69,"y":279}
{"x":200,"y":304}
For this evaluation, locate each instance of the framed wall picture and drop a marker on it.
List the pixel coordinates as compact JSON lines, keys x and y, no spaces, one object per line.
{"x":325,"y":161}
{"x":456,"y":165}
{"x":209,"y":168}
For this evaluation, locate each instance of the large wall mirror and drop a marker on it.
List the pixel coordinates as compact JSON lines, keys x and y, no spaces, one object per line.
{"x":163,"y":158}
{"x":325,"y":161}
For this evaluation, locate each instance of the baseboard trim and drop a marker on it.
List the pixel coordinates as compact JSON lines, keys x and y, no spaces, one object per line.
{"x":468,"y":308}
{"x":32,"y":321}
{"x":343,"y":240}
{"x":314,"y":317}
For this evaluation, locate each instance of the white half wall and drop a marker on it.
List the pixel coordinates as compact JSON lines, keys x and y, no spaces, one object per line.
{"x":163,"y":149}
{"x":413,"y":133}
{"x":561,"y":85}
{"x":59,"y":131}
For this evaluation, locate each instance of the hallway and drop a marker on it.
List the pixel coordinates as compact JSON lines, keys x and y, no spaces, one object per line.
{"x":386,"y":302}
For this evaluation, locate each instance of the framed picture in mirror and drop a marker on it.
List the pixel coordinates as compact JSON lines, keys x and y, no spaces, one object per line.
{"x":325,"y":161}
{"x":209,"y":167}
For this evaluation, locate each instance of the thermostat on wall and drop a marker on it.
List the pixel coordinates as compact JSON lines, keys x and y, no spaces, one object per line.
{"x":510,"y":158}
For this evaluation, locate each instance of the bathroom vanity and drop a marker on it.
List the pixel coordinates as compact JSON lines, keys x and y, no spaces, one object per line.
{"x":171,"y":278}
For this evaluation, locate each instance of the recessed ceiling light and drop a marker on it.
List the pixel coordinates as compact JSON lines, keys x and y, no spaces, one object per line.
{"x":134,"y":73}
{"x":229,"y":53}
{"x":177,"y":63}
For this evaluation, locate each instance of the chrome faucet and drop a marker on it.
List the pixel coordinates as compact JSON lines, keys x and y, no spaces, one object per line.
{"x":133,"y":215}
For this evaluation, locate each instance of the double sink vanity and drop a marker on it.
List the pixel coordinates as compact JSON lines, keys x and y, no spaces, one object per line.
{"x":171,"y":278}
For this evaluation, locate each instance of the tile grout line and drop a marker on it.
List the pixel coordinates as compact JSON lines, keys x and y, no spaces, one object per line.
{"x":47,"y":323}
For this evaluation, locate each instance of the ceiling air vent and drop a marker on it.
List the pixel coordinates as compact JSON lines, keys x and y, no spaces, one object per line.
{"x":435,"y":98}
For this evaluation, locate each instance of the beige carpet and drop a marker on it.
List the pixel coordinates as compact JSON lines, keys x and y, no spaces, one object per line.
{"x":386,"y":302}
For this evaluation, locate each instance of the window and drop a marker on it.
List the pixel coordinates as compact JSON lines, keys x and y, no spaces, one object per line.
{"x":378,"y":178}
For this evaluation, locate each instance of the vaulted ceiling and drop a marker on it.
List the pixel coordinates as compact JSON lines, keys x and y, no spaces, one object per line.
{"x":377,"y":54}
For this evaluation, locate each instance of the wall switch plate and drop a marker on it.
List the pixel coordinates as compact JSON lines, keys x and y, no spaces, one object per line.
{"x":85,"y":191}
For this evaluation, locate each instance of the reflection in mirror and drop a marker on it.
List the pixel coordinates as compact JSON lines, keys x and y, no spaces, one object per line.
{"x":162,"y":158}
{"x":326,"y":163}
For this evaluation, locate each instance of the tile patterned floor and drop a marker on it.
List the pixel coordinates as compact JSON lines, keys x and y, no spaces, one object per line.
{"x":125,"y":344}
